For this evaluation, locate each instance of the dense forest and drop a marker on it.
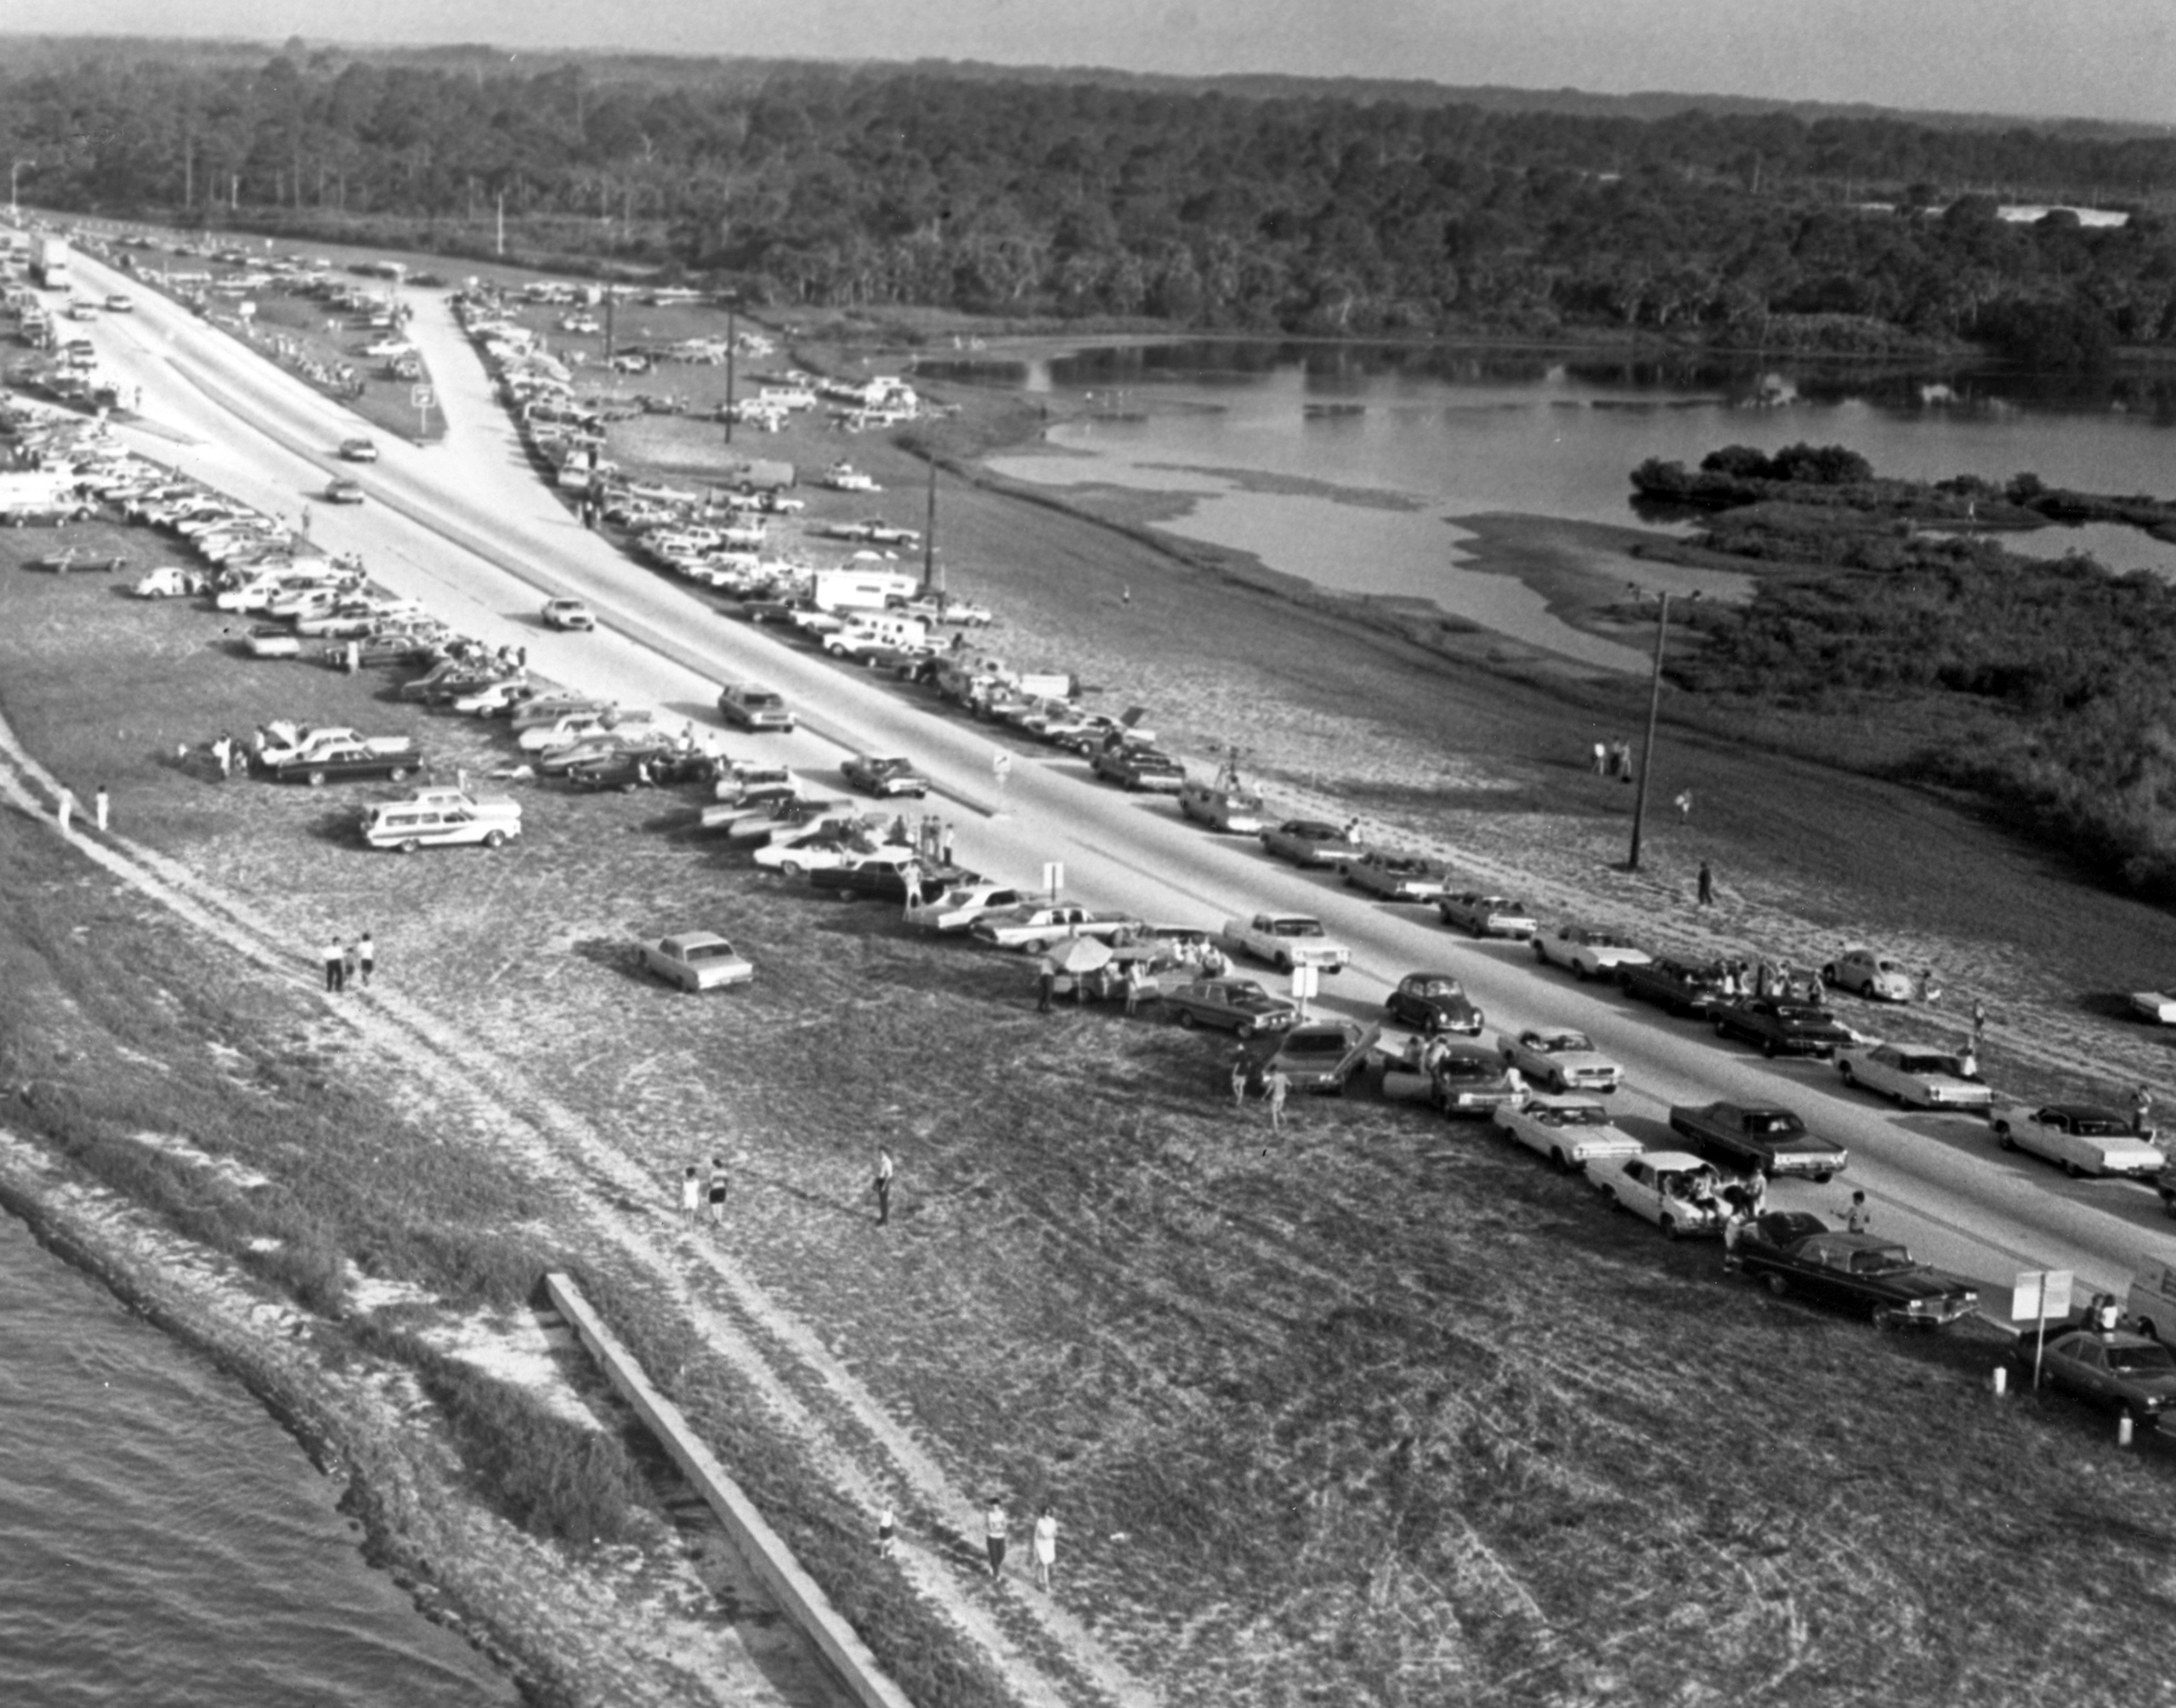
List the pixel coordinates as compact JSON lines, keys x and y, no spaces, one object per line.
{"x":868,"y":186}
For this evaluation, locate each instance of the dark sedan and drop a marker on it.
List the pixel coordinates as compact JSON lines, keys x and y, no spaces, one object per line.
{"x":881,"y":775}
{"x":341,"y":763}
{"x":1434,"y":1002}
{"x":1320,"y":1055}
{"x":1677,"y":987}
{"x":2132,"y":1372}
{"x":1310,"y":842}
{"x":1772,"y":1139}
{"x":1782,"y":1028}
{"x":1790,"y":1252}
{"x":1241,"y":1004}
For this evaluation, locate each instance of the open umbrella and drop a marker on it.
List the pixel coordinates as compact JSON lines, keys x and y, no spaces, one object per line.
{"x":1080,"y":954}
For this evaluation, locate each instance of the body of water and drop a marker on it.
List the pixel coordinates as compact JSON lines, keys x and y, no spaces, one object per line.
{"x":168,"y":1543}
{"x":1350,"y":466}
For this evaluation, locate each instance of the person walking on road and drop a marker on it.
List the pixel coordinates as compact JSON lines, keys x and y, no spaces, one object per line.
{"x":1707,"y":885}
{"x":996,"y":1523}
{"x":1857,"y":1214}
{"x":336,"y":965}
{"x":691,"y":1196}
{"x":883,"y":1185}
{"x":1045,"y":1547}
{"x":1275,"y":1088}
{"x":715,"y":1190}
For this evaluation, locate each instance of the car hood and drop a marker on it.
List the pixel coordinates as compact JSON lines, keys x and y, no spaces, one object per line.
{"x":1916,"y":1284}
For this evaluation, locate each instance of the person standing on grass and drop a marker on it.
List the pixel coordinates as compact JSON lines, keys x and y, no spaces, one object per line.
{"x":1045,"y":984}
{"x":2142,"y":1111}
{"x":888,"y":1531}
{"x":1707,"y":882}
{"x":1602,"y":759}
{"x":883,"y":1185}
{"x":996,"y":1523}
{"x":65,"y":812}
{"x":1136,"y":982}
{"x":101,"y":805}
{"x":366,"y":957}
{"x":691,"y":1196}
{"x":1276,"y":1088}
{"x":1241,"y":1068}
{"x":1045,"y":1547}
{"x":351,"y":958}
{"x":1979,"y":1025}
{"x":715,"y":1191}
{"x":336,"y":966}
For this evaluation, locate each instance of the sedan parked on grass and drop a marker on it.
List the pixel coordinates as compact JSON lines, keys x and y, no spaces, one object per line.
{"x":1320,"y":1055}
{"x":1588,"y":952}
{"x":1914,"y":1076}
{"x":696,"y":961}
{"x":1560,"y":1059}
{"x":1677,"y":987}
{"x":959,"y":906}
{"x":1789,"y":1252}
{"x":2134,"y":1373}
{"x":568,"y":613}
{"x":1570,"y":1132}
{"x":2157,"y":1006}
{"x":884,"y":776}
{"x":1774,"y":1140}
{"x":1869,"y":973}
{"x":272,"y":641}
{"x":1238,"y":1005}
{"x":1781,"y":1028}
{"x":1310,"y":842}
{"x":1671,"y":1188}
{"x":1434,"y":1002}
{"x":1485,"y":915}
{"x":2083,"y":1137}
{"x":1396,"y":877}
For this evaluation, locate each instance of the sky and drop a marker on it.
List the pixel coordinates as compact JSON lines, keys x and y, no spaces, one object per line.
{"x":2093,"y":59}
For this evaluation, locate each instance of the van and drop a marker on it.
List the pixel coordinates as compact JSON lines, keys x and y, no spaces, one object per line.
{"x":2151,"y":1301}
{"x":869,"y":632}
{"x":408,"y":825}
{"x":1222,"y":808}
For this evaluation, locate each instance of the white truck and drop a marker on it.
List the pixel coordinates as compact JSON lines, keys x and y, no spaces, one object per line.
{"x":860,"y":589}
{"x":1285,"y":941}
{"x":49,"y":261}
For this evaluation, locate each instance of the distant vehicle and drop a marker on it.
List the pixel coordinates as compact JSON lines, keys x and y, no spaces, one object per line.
{"x":882,"y":872}
{"x":697,"y":961}
{"x":1134,"y":767}
{"x":2157,"y":1006}
{"x":1677,"y":987}
{"x":568,"y":613}
{"x":1285,"y":941}
{"x":754,"y":707}
{"x":1320,"y":1055}
{"x":884,"y":776}
{"x":343,"y":764}
{"x":1589,"y":953}
{"x":1673,"y":1190}
{"x":340,"y":489}
{"x":1240,"y":1005}
{"x":120,"y":302}
{"x":1396,"y":877}
{"x":1433,"y":1002}
{"x":1914,"y":1077}
{"x":1034,"y":928}
{"x":1310,"y":842}
{"x":1869,"y":973}
{"x":1781,"y":1028}
{"x":2132,"y":1373}
{"x":359,"y":449}
{"x":1570,"y":1132}
{"x":272,"y":641}
{"x":1789,"y":1252}
{"x":959,"y":906}
{"x":1237,"y":811}
{"x":2083,"y":1137}
{"x":1485,"y":915}
{"x":1772,"y":1139}
{"x":1560,"y":1059}
{"x":436,"y":822}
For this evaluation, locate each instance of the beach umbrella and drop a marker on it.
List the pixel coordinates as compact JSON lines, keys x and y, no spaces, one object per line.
{"x":1080,"y":954}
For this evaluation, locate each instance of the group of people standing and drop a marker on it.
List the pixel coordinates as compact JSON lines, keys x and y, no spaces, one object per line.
{"x":349,"y":963}
{"x":703,"y":1190}
{"x":1614,"y":758}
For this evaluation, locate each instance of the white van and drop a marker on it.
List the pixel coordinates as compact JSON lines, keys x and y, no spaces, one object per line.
{"x":1236,"y":809}
{"x":408,"y":825}
{"x":870,"y":631}
{"x":2151,"y":1301}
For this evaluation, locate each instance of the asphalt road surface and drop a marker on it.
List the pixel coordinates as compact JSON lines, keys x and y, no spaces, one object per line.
{"x":468,"y":527}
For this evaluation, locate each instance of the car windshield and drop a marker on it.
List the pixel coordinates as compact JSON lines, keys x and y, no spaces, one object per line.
{"x":1317,"y":1043}
{"x":1606,"y":940}
{"x":1438,"y":987}
{"x":1313,"y":832}
{"x":1773,"y":1122}
{"x":2098,"y":1126}
{"x":1467,"y":1067}
{"x":1880,"y":1261}
{"x":762,"y":701}
{"x":2141,"y":1360}
{"x":1296,"y":928}
{"x":1562,"y":1043}
{"x":707,"y":952}
{"x":1579,"y":1115}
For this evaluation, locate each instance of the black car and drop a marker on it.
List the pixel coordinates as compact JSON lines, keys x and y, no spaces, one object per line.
{"x":339,"y":763}
{"x":1434,"y":1002}
{"x":1774,"y":1140}
{"x":1781,"y":1028}
{"x":1678,"y":986}
{"x":885,"y":879}
{"x":1790,"y":1252}
{"x":2132,"y":1372}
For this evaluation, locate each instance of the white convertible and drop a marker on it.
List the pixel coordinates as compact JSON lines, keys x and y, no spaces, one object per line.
{"x":1674,"y":1190}
{"x":1915,"y":1075}
{"x":2086,"y":1140}
{"x":1562,"y":1060}
{"x":1590,"y":953}
{"x":1570,"y":1132}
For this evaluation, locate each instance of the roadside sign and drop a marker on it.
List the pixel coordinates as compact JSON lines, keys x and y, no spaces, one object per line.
{"x":1053,"y":877}
{"x":246,"y":310}
{"x":1306,"y":982}
{"x":423,"y":396}
{"x":2036,"y":1296}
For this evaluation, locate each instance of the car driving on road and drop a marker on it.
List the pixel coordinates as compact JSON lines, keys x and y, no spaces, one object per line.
{"x":1396,"y":877}
{"x":568,"y":613}
{"x":753,"y":708}
{"x":1432,"y":1003}
{"x":1772,"y":1139}
{"x":1310,"y":842}
{"x":884,"y":776}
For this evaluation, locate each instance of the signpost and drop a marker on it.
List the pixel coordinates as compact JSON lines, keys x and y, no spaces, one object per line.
{"x":1053,"y":878}
{"x":2036,"y":1296}
{"x":1306,"y":982}
{"x":423,"y":398}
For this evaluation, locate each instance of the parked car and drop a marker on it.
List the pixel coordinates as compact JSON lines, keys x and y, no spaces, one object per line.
{"x":1588,"y":952}
{"x":1432,"y":1003}
{"x":884,"y":776}
{"x":1145,"y":769}
{"x":2083,"y":1137}
{"x":1789,"y":1252}
{"x":1237,"y":811}
{"x":1869,"y":973}
{"x":272,"y":641}
{"x":341,"y":489}
{"x":883,"y":873}
{"x":1560,"y":1059}
{"x":568,"y":613}
{"x":1320,"y":1055}
{"x":1678,"y":986}
{"x":1570,"y":1132}
{"x":822,"y":848}
{"x":1240,"y":1005}
{"x":1671,"y":1188}
{"x":433,"y":822}
{"x":1396,"y":877}
{"x":344,"y":763}
{"x":1774,"y":1140}
{"x":2132,"y":1373}
{"x":1485,"y":915}
{"x":1285,"y":941}
{"x":1310,"y":842}
{"x":2157,"y":1006}
{"x":959,"y":906}
{"x":1781,"y":1028}
{"x":697,"y":961}
{"x":1470,"y":1081}
{"x":754,"y":707}
{"x":1915,"y":1075}
{"x":1033,"y":928}
{"x":359,"y":449}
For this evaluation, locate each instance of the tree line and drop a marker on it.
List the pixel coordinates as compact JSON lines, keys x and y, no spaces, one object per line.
{"x":871,"y":187}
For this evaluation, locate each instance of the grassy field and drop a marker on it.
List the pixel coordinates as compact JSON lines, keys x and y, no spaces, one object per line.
{"x":1377,"y":1411}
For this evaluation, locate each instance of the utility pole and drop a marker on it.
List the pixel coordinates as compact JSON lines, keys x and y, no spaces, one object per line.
{"x":14,"y":201}
{"x":929,"y":539}
{"x":732,"y":304}
{"x":502,"y":223}
{"x":1654,"y":711}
